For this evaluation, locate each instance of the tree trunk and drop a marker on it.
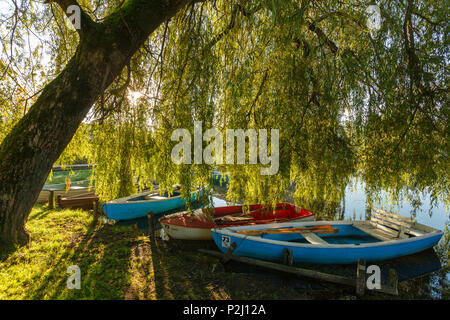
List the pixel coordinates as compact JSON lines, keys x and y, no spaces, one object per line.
{"x":28,"y":152}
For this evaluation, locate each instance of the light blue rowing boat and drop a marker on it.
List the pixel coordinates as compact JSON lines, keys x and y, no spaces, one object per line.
{"x":139,"y":205}
{"x":385,"y":236}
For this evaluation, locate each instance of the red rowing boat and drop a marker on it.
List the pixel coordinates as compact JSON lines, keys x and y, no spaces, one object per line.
{"x":197,"y":225}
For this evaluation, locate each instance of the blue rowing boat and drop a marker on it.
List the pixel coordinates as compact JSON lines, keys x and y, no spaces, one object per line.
{"x":139,"y":205}
{"x":385,"y":236}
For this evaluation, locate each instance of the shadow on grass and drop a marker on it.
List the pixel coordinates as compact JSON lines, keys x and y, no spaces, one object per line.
{"x":6,"y":250}
{"x":178,"y":273}
{"x":42,"y":213}
{"x":103,"y":260}
{"x":181,"y":272}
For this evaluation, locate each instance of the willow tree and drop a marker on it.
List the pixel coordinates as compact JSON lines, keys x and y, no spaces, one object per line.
{"x":347,"y":100}
{"x":32,"y":146}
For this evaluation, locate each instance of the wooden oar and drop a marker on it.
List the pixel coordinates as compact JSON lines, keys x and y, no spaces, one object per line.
{"x":243,"y":214}
{"x":315,"y":229}
{"x":247,"y":214}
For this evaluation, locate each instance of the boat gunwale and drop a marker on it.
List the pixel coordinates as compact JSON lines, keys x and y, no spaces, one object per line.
{"x":126,"y":200}
{"x":230,"y":231}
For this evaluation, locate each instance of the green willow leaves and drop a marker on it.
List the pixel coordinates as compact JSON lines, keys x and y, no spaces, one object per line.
{"x":349,"y":102}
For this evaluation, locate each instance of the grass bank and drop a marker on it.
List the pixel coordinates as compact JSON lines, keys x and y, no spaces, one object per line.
{"x":117,"y":263}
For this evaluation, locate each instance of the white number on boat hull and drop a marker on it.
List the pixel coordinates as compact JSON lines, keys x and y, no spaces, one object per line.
{"x":225,"y":241}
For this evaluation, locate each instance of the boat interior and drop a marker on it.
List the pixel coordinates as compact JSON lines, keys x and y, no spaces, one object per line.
{"x":382,"y":226}
{"x":156,"y":196}
{"x":257,"y":212}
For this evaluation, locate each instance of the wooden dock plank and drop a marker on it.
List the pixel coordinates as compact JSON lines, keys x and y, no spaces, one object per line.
{"x":288,"y":269}
{"x":301,"y":272}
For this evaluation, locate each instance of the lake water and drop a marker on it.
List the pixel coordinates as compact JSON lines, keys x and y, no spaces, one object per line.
{"x":355,"y":204}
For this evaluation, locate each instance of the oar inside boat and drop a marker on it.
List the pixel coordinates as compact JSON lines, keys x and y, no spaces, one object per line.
{"x":326,"y":229}
{"x":240,"y":217}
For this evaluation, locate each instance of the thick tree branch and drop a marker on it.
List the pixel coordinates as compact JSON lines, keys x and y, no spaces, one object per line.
{"x":85,"y":21}
{"x":415,"y":73}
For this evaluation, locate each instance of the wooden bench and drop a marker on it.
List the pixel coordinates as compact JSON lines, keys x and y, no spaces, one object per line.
{"x":397,"y":226}
{"x":82,"y":201}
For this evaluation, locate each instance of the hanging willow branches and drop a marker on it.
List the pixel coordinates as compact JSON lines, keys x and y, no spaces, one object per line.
{"x":347,"y":102}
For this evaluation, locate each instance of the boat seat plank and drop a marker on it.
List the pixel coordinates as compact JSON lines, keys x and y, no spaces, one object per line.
{"x":415,"y":232}
{"x":390,"y":231}
{"x":313,"y":238}
{"x":156,"y":197}
{"x":421,"y":229}
{"x":376,"y":233}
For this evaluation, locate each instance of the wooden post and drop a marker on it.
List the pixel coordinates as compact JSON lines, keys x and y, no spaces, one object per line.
{"x":95,"y":205}
{"x":288,"y":257}
{"x":393,"y":281}
{"x":150,"y":223}
{"x":198,"y":197}
{"x":283,"y":268}
{"x":51,"y":199}
{"x":58,"y":200}
{"x":361,"y":277}
{"x":96,"y":212}
{"x":288,"y":260}
{"x":227,"y":255}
